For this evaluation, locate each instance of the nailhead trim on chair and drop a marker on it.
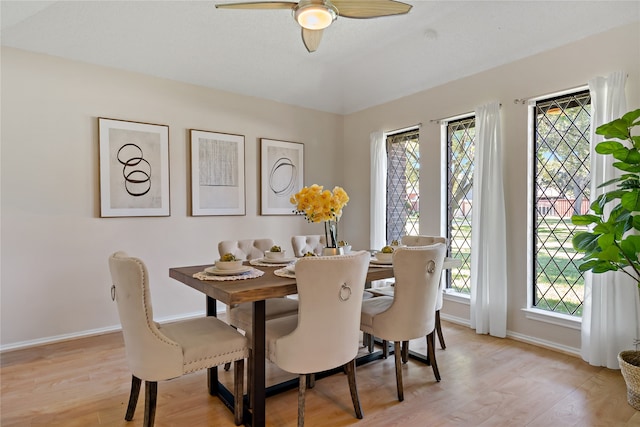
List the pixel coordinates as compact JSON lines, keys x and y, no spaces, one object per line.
{"x":150,"y":322}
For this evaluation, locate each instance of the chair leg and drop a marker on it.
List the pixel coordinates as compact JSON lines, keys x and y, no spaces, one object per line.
{"x":385,"y":349}
{"x":133,"y":397}
{"x":311,"y":381}
{"x":250,"y":379}
{"x":439,"y":330}
{"x":431,"y":351}
{"x":398,"y":359}
{"x":353,"y":388}
{"x":238,"y":386}
{"x":151,"y":396}
{"x":405,"y":351}
{"x":302,"y":378}
{"x":227,"y":365}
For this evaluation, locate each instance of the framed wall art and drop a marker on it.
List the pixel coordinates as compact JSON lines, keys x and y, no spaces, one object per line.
{"x":134,"y":168}
{"x":282,"y":175}
{"x":217,"y":173}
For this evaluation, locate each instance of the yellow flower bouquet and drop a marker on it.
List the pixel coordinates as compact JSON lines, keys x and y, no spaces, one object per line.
{"x":319,"y":205}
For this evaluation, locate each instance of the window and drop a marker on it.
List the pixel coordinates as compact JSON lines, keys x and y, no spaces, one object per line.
{"x":460,"y":155}
{"x":403,"y":190}
{"x":561,"y":167}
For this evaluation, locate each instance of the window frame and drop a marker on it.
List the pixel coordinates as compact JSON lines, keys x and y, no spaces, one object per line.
{"x":531,"y":311}
{"x":449,"y":293}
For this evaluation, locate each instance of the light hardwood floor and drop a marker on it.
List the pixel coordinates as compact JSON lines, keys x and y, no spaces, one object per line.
{"x":485,"y":382}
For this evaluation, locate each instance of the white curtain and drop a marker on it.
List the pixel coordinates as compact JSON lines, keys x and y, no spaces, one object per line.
{"x":488,"y":236}
{"x":378,"y":231}
{"x":611,"y":314}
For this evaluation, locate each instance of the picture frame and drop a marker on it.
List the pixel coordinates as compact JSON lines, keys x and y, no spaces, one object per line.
{"x":217,"y":173}
{"x":134,"y":168}
{"x":281,"y":175}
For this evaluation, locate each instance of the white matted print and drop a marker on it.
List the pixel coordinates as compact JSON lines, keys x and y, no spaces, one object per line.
{"x":282,"y":175}
{"x":217,"y":173}
{"x":134,"y":168}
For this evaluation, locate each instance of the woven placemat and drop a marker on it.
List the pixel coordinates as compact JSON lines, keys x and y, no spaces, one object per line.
{"x":251,"y":274}
{"x":259,"y":263}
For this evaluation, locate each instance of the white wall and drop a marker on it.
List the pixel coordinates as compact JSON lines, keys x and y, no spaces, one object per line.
{"x":563,"y":68}
{"x":55,"y":280}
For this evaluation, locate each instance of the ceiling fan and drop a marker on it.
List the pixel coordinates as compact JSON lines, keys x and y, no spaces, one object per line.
{"x":316,"y":15}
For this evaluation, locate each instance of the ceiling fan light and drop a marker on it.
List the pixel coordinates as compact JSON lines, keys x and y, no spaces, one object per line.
{"x":315,"y":17}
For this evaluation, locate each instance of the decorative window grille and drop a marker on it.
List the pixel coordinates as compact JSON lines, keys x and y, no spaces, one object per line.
{"x":461,"y":135}
{"x":403,"y":189}
{"x":561,"y":188}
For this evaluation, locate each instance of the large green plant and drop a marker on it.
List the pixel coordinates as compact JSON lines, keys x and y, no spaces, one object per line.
{"x":612,"y":244}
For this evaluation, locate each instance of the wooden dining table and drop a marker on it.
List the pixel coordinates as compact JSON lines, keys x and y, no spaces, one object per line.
{"x":256,"y":291}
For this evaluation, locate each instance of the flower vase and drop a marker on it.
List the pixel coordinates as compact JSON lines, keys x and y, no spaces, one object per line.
{"x":332,"y":251}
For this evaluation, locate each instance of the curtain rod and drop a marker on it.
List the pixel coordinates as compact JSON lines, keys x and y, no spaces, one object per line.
{"x":523,"y":101}
{"x":456,"y":117}
{"x":406,"y":128}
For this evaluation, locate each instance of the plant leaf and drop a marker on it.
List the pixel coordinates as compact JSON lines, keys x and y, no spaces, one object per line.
{"x":608,"y":147}
{"x":585,"y":219}
{"x":631,"y":200}
{"x":631,"y":117}
{"x":605,"y":240}
{"x":618,"y":128}
{"x":585,"y":241}
{"x":631,"y":247}
{"x":626,"y":167}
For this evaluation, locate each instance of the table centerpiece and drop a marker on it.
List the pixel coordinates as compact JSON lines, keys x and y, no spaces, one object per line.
{"x":319,"y":205}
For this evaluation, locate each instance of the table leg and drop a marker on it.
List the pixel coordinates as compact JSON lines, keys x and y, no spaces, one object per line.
{"x":212,"y":373}
{"x":258,"y":393}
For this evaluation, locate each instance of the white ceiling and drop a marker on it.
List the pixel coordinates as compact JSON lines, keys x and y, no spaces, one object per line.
{"x":360,"y":62}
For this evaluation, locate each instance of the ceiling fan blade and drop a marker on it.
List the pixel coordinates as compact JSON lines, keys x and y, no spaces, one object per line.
{"x":311,"y":39}
{"x":370,"y":8}
{"x":259,"y":5}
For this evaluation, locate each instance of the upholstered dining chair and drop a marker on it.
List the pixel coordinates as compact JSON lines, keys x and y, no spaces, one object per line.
{"x":162,"y":352}
{"x":241,"y":316}
{"x":422,"y":240}
{"x":246,"y":249}
{"x":410,"y":313}
{"x":311,"y":243}
{"x":325,"y":333}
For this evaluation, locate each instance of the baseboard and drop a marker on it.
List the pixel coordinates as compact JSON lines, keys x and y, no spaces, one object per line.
{"x":520,"y":337}
{"x":571,"y":351}
{"x":91,"y":332}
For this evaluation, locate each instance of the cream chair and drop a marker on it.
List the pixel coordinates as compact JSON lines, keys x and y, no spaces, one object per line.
{"x":162,"y":352}
{"x":241,"y":315}
{"x":325,"y":333}
{"x":247,"y":249}
{"x":422,"y":240}
{"x":410,"y":313}
{"x":311,"y":243}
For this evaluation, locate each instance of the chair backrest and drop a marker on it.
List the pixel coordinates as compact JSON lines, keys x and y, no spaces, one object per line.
{"x":330,"y":293}
{"x":422,"y":240}
{"x":245,"y":250}
{"x":151,"y":355}
{"x":311,"y":243}
{"x":417,"y":273}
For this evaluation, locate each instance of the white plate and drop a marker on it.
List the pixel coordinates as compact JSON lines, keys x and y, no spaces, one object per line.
{"x":291,"y":268}
{"x":277,"y":260}
{"x":378,"y":262}
{"x":217,"y":272}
